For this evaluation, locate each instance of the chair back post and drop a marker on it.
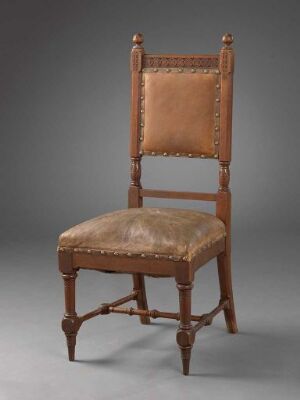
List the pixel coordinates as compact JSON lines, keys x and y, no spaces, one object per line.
{"x":223,"y":201}
{"x":137,"y":52}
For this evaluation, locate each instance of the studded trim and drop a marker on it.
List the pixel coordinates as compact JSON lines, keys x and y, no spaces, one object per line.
{"x":102,"y":252}
{"x":189,"y":155}
{"x":189,"y":70}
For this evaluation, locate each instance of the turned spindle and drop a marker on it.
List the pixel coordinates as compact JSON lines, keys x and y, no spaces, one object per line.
{"x":185,"y":334}
{"x":224,"y":176}
{"x":70,"y":322}
{"x":135,"y":171}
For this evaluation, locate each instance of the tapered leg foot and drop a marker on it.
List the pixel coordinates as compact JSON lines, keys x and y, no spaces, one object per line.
{"x":230,"y":317}
{"x":145,"y":320}
{"x":71,"y":343}
{"x":139,"y":285}
{"x":186,"y":358}
{"x":224,"y":270}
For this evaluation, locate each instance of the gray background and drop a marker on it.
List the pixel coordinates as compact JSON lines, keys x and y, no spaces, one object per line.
{"x":64,"y":98}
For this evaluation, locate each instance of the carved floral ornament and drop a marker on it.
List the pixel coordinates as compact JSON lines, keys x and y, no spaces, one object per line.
{"x":155,"y":61}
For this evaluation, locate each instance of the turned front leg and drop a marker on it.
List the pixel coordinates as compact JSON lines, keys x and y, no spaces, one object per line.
{"x":70,"y":322}
{"x":185,"y":334}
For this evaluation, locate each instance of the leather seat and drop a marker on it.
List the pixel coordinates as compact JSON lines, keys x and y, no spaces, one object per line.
{"x":176,"y":234}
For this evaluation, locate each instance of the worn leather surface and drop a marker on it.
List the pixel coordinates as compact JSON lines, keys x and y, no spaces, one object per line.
{"x":168,"y":231}
{"x":179,"y":112}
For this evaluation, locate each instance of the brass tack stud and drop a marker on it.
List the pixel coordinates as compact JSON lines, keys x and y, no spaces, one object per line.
{"x":190,"y":155}
{"x":202,"y":156}
{"x":156,"y":256}
{"x":89,"y":251}
{"x":155,"y":69}
{"x":142,"y":84}
{"x":177,"y":154}
{"x":180,"y":69}
{"x":153,"y":153}
{"x":76,"y":250}
{"x":218,"y":86}
{"x":142,"y":124}
{"x":216,"y":128}
{"x":193,"y":70}
{"x":102,"y":252}
{"x":215,"y":155}
{"x":217,"y":114}
{"x":143,"y":255}
{"x":116,"y":253}
{"x":141,"y":152}
{"x":141,"y":138}
{"x":165,"y":154}
{"x":168,"y":70}
{"x":129,"y":254}
{"x":216,"y":142}
{"x":218,"y":100}
{"x":142,"y":111}
{"x":218,"y":72}
{"x":142,"y":97}
{"x":205,"y":71}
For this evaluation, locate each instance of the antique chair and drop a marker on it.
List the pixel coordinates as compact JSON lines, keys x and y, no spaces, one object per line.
{"x":181,"y":105}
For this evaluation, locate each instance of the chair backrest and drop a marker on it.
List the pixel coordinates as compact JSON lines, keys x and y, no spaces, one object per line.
{"x":181,"y":106}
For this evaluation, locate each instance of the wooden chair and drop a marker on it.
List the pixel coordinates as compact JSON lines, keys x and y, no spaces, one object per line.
{"x":181,"y":105}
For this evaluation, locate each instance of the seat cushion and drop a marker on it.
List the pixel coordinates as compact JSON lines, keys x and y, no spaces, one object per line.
{"x":177,"y":234}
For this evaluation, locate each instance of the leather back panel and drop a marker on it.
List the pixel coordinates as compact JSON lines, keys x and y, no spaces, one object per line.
{"x":180,"y":112}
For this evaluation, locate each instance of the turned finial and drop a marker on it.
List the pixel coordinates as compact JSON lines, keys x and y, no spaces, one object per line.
{"x":138,"y":39}
{"x":227,"y":39}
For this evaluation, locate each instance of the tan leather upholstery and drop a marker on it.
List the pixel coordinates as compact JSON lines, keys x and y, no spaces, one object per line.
{"x":179,"y":233}
{"x":180,"y":112}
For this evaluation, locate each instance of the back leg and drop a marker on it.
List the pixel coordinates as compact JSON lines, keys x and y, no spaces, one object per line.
{"x":139,"y":285}
{"x":224,"y":271}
